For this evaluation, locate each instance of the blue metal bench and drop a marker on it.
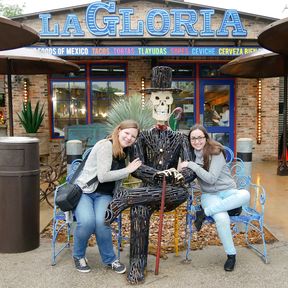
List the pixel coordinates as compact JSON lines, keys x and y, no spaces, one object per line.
{"x":89,"y":134}
{"x":252,"y":216}
{"x":63,"y":221}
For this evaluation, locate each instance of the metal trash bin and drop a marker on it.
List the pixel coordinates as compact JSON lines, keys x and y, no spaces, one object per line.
{"x":19,"y":194}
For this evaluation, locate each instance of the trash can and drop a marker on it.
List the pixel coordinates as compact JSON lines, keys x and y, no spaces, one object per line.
{"x":19,"y":194}
{"x":244,"y":152}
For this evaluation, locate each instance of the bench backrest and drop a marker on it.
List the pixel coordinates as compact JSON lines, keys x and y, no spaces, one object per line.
{"x":76,"y":163}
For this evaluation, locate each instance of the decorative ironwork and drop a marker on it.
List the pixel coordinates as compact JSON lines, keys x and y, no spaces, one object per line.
{"x":51,"y":175}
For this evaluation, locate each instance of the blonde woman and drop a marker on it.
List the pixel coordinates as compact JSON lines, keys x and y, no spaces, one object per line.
{"x":106,"y":161}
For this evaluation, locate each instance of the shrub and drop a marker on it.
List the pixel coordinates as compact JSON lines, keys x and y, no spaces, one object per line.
{"x":31,"y":120}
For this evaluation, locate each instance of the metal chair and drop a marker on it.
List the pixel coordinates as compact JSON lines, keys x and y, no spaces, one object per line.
{"x":63,"y":222}
{"x":252,"y":216}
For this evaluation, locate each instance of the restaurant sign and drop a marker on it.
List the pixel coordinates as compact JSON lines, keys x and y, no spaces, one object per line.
{"x":145,"y":50}
{"x":104,"y":20}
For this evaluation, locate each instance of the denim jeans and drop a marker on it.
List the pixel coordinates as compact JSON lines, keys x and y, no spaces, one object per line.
{"x":90,"y":215}
{"x":216,"y":205}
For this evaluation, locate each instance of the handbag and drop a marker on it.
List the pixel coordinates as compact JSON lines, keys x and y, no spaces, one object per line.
{"x":69,"y":194}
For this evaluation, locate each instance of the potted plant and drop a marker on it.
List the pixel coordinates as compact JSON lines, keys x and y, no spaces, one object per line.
{"x":31,"y":121}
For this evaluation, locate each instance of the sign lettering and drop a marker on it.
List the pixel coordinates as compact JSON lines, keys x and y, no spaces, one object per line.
{"x":103,"y":20}
{"x":145,"y":51}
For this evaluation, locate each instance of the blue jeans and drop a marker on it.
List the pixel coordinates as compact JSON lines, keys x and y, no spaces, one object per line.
{"x":216,"y":205}
{"x":90,"y":215}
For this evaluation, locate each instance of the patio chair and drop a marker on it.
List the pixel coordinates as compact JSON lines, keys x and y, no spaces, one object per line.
{"x":252,"y":216}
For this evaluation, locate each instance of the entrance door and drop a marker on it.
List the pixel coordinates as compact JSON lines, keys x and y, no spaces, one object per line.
{"x":217,"y":109}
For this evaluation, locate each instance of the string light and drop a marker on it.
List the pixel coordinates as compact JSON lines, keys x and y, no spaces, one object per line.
{"x":143,"y":93}
{"x":259,"y":111}
{"x":25,"y":90}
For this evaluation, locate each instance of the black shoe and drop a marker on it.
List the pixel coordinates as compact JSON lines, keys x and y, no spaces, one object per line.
{"x":230,"y":263}
{"x":82,"y":265}
{"x":235,"y":212}
{"x":200,"y":217}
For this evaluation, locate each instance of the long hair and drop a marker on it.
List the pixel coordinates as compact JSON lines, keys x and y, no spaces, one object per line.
{"x":211,"y":146}
{"x":117,"y":150}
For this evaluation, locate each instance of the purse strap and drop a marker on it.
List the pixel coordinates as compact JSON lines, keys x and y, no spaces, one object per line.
{"x":78,"y":170}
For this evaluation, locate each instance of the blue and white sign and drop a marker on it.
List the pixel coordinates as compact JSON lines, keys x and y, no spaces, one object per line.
{"x":104,"y":20}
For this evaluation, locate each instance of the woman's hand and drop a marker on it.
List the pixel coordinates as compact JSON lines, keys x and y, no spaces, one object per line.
{"x":182,"y":165}
{"x":134,"y":165}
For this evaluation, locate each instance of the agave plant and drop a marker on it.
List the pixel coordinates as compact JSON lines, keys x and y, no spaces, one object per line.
{"x":31,"y":120}
{"x":130,"y":108}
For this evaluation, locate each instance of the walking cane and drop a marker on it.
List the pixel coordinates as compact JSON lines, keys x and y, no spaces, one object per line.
{"x":161,"y":215}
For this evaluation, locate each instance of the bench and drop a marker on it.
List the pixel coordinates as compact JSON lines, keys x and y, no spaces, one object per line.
{"x":89,"y":134}
{"x":252,"y":216}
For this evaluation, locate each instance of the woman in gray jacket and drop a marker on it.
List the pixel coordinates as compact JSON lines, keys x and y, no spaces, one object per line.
{"x":219,"y":191}
{"x":106,"y":161}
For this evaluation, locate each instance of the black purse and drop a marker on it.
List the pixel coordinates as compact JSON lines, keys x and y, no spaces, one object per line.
{"x":69,"y":194}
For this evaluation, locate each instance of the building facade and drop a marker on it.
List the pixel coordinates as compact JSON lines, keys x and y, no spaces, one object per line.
{"x":116,"y":44}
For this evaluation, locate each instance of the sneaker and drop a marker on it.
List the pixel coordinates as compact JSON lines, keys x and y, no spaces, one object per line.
{"x":82,"y":265}
{"x":118,"y":267}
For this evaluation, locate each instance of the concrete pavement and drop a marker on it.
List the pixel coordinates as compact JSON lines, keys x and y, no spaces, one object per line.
{"x":33,"y":269}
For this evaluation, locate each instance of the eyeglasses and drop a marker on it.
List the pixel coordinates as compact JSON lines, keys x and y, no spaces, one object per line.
{"x":194,"y":139}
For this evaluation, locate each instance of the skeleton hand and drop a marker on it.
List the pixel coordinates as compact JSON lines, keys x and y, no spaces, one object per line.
{"x":172,"y":176}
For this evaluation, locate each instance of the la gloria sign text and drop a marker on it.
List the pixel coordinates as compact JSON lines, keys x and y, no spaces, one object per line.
{"x":174,"y":23}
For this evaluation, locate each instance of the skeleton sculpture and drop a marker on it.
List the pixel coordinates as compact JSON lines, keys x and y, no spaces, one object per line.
{"x":159,"y":149}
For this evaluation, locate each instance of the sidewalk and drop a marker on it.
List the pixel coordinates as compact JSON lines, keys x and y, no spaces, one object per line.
{"x":33,"y":270}
{"x":276,"y":213}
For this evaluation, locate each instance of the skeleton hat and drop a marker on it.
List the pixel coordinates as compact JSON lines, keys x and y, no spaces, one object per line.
{"x":161,"y":80}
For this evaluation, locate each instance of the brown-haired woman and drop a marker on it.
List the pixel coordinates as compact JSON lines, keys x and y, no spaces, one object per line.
{"x":106,"y":161}
{"x":219,"y":191}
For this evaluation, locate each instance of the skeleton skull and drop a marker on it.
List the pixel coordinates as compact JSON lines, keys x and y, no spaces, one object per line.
{"x":161,"y":101}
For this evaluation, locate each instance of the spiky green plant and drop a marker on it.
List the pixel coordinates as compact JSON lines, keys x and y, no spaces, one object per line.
{"x":130,"y":108}
{"x":31,"y":120}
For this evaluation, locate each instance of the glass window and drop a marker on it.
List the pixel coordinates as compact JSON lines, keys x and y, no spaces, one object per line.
{"x":70,"y":95}
{"x":103,"y":94}
{"x":209,"y":70}
{"x":216,"y":105}
{"x":108,"y":71}
{"x":223,"y":138}
{"x":182,"y":70}
{"x":69,"y":105}
{"x":185,"y":100}
{"x":78,"y":74}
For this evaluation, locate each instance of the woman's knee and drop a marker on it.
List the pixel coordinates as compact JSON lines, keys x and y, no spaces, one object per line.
{"x":222,"y":219}
{"x":245,"y":195}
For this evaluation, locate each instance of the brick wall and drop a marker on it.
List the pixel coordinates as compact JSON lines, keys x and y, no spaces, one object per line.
{"x":246,"y":111}
{"x":245,"y":89}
